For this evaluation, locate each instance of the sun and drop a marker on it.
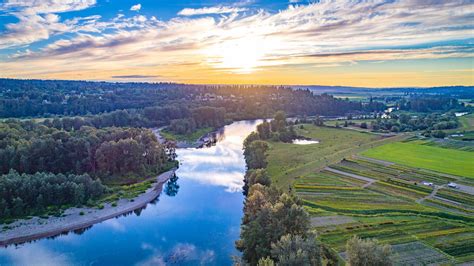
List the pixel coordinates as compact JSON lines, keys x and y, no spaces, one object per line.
{"x":242,"y":56}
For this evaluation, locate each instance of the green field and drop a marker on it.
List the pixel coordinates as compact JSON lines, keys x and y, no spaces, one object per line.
{"x":192,"y":137}
{"x":389,"y":202}
{"x":341,"y":122}
{"x":395,"y":209}
{"x":415,"y":154}
{"x":288,"y":161}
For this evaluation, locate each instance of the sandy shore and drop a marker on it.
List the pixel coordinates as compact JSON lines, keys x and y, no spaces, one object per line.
{"x":35,"y":228}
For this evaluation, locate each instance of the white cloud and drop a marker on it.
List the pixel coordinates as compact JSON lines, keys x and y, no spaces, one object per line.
{"x":136,"y":7}
{"x":34,"y":254}
{"x":328,"y":33}
{"x":46,"y":6}
{"x":210,"y":10}
{"x":37,"y":19}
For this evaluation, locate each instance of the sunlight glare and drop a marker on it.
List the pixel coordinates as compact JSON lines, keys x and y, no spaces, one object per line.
{"x":242,"y":56}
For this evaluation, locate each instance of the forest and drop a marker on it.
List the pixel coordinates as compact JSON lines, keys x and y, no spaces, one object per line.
{"x":45,"y":166}
{"x":29,"y":194}
{"x":37,"y":98}
{"x":29,"y":147}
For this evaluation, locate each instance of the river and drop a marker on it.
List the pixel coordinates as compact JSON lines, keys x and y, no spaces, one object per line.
{"x":196,"y":220}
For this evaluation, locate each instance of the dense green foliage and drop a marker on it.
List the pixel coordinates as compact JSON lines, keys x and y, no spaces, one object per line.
{"x":269,"y":214}
{"x":31,"y":194}
{"x":277,"y":129}
{"x":405,"y":122}
{"x":201,"y":117}
{"x":368,"y":252}
{"x":425,"y":103}
{"x":294,"y":250}
{"x":255,"y":154}
{"x":162,"y":101}
{"x":255,"y":176}
{"x":29,"y":147}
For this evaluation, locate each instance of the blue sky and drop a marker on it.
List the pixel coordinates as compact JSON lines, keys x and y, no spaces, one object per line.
{"x":366,"y":43}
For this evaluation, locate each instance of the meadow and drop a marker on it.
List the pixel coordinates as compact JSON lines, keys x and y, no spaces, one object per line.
{"x":287,"y":161}
{"x":416,"y":154}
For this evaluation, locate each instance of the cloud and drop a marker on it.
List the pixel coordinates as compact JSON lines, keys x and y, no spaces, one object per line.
{"x":45,"y":6}
{"x":323,"y":34}
{"x":210,"y":10}
{"x":136,"y":7}
{"x":34,"y":254}
{"x":37,"y":20}
{"x":181,"y":253}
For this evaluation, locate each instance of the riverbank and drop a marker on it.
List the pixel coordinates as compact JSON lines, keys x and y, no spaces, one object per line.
{"x":202,"y":138}
{"x":77,"y":218}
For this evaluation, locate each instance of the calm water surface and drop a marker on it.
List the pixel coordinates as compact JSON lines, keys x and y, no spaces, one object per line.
{"x":195,"y":221}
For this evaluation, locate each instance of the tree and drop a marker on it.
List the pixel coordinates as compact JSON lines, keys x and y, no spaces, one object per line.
{"x":255,"y":176}
{"x":438,"y":134}
{"x":266,"y":262}
{"x":264,"y":130}
{"x":279,"y":121}
{"x":268,"y":215}
{"x":368,"y":252}
{"x":255,"y":154}
{"x":294,"y":250}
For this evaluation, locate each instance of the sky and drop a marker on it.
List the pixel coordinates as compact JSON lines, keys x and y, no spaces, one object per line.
{"x":376,"y":43}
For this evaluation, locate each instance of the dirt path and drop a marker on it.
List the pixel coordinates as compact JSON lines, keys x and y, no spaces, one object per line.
{"x":78,"y":218}
{"x":382,"y":162}
{"x":369,"y":181}
{"x":431,"y":195}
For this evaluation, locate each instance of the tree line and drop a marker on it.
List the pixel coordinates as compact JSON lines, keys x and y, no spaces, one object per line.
{"x":427,"y":103}
{"x":403,"y":122}
{"x":30,"y":194}
{"x":156,"y":101}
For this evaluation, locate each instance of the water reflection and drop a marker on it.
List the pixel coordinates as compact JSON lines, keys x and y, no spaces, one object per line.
{"x":172,"y":187}
{"x":219,"y":165}
{"x":198,"y":225}
{"x":35,"y":254}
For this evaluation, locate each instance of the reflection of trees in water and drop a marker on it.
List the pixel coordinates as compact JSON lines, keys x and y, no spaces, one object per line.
{"x":172,"y":186}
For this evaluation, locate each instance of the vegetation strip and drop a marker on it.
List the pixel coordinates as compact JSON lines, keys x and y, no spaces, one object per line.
{"x":28,"y":230}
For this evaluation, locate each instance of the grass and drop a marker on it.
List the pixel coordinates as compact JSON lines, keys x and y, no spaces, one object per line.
{"x":388,"y":211}
{"x":287,"y":161}
{"x":191,"y":137}
{"x":393,"y":209}
{"x":415,"y":154}
{"x":357,"y":122}
{"x":467,"y":122}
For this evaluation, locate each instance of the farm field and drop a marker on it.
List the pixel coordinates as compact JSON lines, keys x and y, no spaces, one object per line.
{"x":416,"y":154}
{"x":394,"y":207}
{"x":287,"y":161}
